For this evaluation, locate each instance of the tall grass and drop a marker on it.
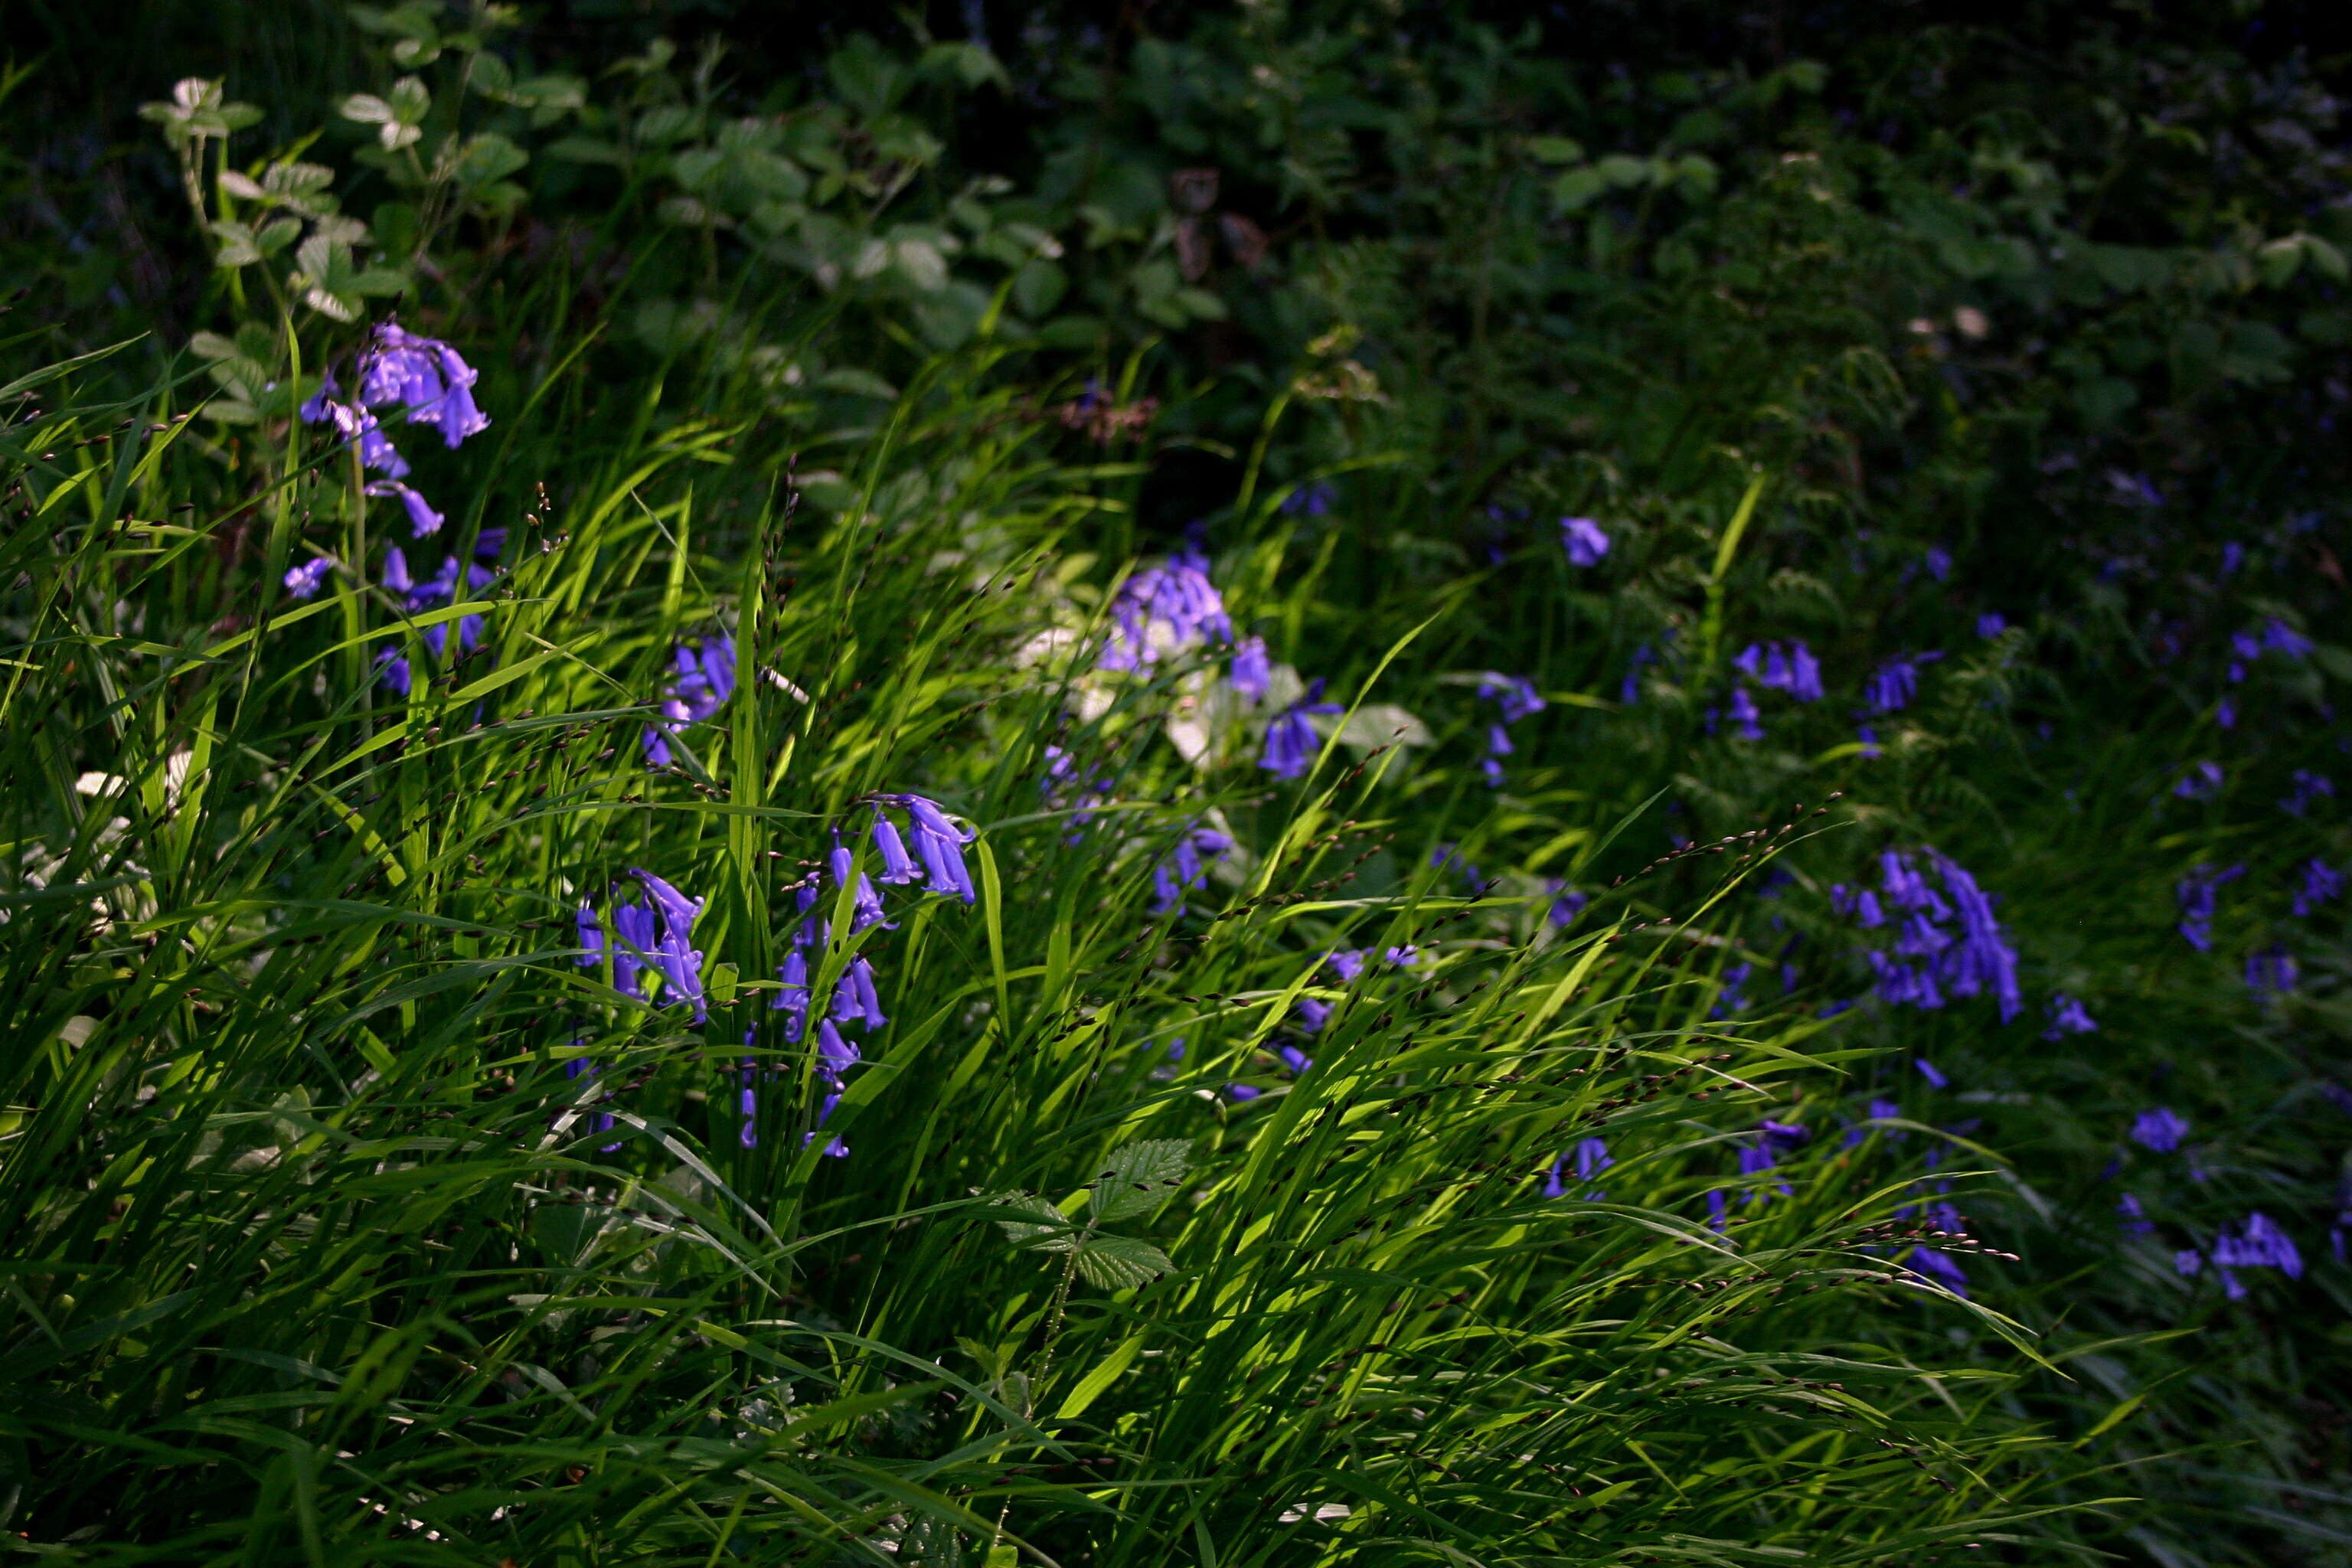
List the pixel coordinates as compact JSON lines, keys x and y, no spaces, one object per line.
{"x":359,"y":1206}
{"x":325,"y":1248}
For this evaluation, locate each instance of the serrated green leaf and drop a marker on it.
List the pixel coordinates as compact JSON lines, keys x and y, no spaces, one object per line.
{"x":1140,"y":1177}
{"x":1120,"y":1262}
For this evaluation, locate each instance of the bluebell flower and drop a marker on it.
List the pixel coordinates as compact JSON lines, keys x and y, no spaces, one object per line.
{"x":1982,"y":960}
{"x":1443,"y":856}
{"x":1313,"y":497}
{"x":747,"y":1103}
{"x":2280,"y":637}
{"x":2225,"y":714}
{"x":896,"y":869}
{"x":2202,"y":782}
{"x":421,"y":518}
{"x":1402,"y":957}
{"x":2161,"y":1129}
{"x":1590,"y":1156}
{"x":1243,"y":1092}
{"x":591,"y":926}
{"x":2233,"y":555}
{"x":1291,"y":743}
{"x":1630,"y":692}
{"x":1730,"y":996}
{"x":1347,"y":964}
{"x":702,"y":679}
{"x":834,"y":1148}
{"x":357,"y":424}
{"x":1927,"y":1070}
{"x":1756,"y":1158}
{"x":2271,"y":972}
{"x":1859,"y":902}
{"x":940,"y":843}
{"x":426,"y":375}
{"x":1249,"y":671}
{"x":1867,"y":739}
{"x":866,"y":903}
{"x":1929,"y":1263}
{"x":1928,"y":962}
{"x":854,"y":997}
{"x":1567,"y":903}
{"x":1584,"y":539}
{"x":836,"y":1056}
{"x":2188,"y":1262}
{"x":2321,"y":883}
{"x":304,"y":580}
{"x":2197,"y":895}
{"x":319,"y":408}
{"x":637,"y":929}
{"x":1896,"y":683}
{"x":792,"y":993}
{"x":1990,"y":625}
{"x":1297,"y":1060}
{"x":1186,"y":867}
{"x":1939,"y":561}
{"x":814,"y":931}
{"x":1313,"y":1014}
{"x":1803,"y":681}
{"x":679,"y":963}
{"x":392,"y":671}
{"x":1717,"y":1215}
{"x":2308,"y":786}
{"x":2259,"y":1244}
{"x":2131,"y":1217}
{"x":2067,"y":1016}
{"x":1165,"y":609}
{"x":1515,"y":694}
{"x":1744,"y":711}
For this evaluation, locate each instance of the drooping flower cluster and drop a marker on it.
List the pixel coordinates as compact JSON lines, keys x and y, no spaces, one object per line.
{"x":1894,"y":685}
{"x":400,"y":370}
{"x":1249,"y":672}
{"x":1630,"y":692}
{"x":702,"y":680}
{"x":1584,"y":539}
{"x":1787,"y":667}
{"x":2068,"y":1017}
{"x":1929,"y":961}
{"x":1514,"y":697}
{"x":1163,"y":610}
{"x":2271,"y":972}
{"x":2257,"y":1243}
{"x":656,"y":933}
{"x":855,"y":1003}
{"x":2160,"y":1129}
{"x":2321,"y":883}
{"x":2202,"y":782}
{"x":441,"y":588}
{"x":1591,"y":1157}
{"x":2199,"y":894}
{"x":2308,"y":786}
{"x":1291,"y":743}
{"x":1186,"y":867}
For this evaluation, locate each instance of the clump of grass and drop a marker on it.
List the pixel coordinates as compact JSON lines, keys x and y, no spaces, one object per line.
{"x":326,"y":1246}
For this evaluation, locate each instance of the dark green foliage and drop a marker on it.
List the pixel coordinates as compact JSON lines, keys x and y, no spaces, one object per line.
{"x":350,"y":1218}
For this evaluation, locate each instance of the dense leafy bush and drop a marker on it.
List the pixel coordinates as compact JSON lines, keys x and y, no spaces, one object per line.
{"x":1305,"y":785}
